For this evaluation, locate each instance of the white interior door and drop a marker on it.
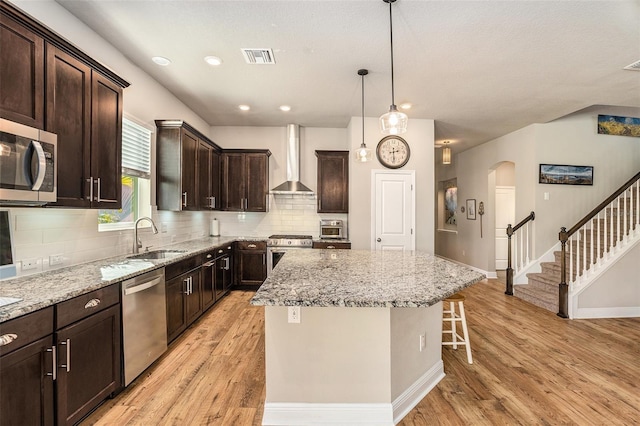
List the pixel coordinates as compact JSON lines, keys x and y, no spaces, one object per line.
{"x":505,"y":215}
{"x":393,"y":210}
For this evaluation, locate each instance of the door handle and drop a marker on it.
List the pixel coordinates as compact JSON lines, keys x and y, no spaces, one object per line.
{"x":90,"y":181}
{"x":42,"y":166}
{"x":378,"y":239}
{"x":184,"y":199}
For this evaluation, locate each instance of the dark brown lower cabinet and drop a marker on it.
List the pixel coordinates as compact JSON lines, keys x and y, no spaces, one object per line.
{"x":184,"y":302}
{"x":251,"y":263}
{"x":26,"y":385}
{"x":88,"y":364}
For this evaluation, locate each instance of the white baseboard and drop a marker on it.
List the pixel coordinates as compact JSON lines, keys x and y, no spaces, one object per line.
{"x":418,"y":390}
{"x":374,"y":414}
{"x":622,"y":312}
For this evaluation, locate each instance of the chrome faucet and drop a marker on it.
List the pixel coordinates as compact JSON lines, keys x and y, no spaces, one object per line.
{"x":136,"y":241}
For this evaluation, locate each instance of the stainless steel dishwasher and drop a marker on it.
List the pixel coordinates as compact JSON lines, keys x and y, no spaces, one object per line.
{"x":144,"y":322}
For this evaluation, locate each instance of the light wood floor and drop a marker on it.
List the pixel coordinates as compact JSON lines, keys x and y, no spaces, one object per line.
{"x":530,"y":367}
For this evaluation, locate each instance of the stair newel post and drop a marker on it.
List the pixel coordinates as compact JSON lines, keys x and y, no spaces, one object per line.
{"x":563,"y":288}
{"x":509,"y":290}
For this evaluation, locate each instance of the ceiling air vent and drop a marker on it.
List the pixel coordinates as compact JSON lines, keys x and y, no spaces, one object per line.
{"x":258,"y":56}
{"x":633,"y":67}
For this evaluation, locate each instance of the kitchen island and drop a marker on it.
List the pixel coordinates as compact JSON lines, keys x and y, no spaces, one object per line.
{"x":367,"y":347}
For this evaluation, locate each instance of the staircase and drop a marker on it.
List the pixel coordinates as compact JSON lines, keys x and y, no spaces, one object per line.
{"x":589,"y":245}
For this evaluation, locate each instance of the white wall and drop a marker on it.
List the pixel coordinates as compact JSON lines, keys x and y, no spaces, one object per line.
{"x":420,"y":136}
{"x":570,"y":140}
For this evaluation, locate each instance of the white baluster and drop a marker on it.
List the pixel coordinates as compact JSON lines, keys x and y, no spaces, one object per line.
{"x":528,"y":242}
{"x":599,"y":235}
{"x":570,"y":259}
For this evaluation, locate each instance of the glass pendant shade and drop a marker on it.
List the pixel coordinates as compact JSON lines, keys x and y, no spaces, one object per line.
{"x":446,"y":155}
{"x":362,"y":154}
{"x":393,"y":122}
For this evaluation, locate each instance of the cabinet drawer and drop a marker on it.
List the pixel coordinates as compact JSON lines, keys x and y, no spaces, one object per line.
{"x":178,"y":268}
{"x":331,"y":245}
{"x":252,"y":245}
{"x":23,"y":330}
{"x":85,"y":305}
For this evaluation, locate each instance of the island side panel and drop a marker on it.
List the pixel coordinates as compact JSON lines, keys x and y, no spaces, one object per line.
{"x":415,"y":372}
{"x":334,"y":355}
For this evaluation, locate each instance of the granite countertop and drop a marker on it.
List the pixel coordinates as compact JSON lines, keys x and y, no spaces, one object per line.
{"x":362,"y":278}
{"x":44,"y":289}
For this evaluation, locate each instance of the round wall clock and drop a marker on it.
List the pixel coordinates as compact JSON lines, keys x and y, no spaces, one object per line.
{"x":393,"y":152}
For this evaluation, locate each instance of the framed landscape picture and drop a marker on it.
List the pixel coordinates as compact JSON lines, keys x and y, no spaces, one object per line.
{"x":566,"y":175}
{"x":619,"y":126}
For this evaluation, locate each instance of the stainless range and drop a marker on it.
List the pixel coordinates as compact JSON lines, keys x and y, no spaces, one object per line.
{"x":278,"y":245}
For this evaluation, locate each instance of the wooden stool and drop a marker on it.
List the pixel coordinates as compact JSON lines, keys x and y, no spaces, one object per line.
{"x":453,"y":318}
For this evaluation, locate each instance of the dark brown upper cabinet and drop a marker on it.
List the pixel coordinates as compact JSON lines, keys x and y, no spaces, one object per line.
{"x":188,"y":171}
{"x":333,"y":181}
{"x":245,"y":180}
{"x":82,"y":105}
{"x":21,"y":74}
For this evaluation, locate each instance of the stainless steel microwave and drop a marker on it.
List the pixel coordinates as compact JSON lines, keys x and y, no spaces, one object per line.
{"x":330,"y":228}
{"x":28,"y":166}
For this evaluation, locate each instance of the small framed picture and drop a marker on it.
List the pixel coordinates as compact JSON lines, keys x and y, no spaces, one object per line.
{"x":566,"y":175}
{"x":471,"y":209}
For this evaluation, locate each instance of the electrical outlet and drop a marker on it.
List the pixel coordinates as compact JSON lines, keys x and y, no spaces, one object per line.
{"x":423,"y":341}
{"x":56,"y":259}
{"x":294,"y":314}
{"x":29,"y":264}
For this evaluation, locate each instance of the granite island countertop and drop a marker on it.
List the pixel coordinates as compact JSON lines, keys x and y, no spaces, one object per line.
{"x":362,"y":278}
{"x":47,"y":288}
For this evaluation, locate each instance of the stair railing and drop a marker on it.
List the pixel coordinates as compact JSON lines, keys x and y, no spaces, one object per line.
{"x":596,"y":237}
{"x":521,"y":252}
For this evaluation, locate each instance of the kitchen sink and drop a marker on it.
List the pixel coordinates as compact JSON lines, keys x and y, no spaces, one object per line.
{"x":158,"y":254}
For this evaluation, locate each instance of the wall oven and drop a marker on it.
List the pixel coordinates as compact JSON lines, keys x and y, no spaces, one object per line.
{"x":28,"y":170}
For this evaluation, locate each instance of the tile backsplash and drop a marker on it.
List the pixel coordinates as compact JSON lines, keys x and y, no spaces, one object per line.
{"x":71,"y":236}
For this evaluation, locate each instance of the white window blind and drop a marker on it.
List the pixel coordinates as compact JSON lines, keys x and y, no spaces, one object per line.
{"x":136,"y":149}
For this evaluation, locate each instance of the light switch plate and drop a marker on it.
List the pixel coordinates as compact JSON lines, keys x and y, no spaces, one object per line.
{"x":294,"y":315}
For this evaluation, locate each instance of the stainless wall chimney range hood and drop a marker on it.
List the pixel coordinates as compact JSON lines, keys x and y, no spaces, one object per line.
{"x":293,"y":184}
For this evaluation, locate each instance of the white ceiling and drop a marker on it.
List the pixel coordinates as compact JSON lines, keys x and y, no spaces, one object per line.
{"x":480,"y":69}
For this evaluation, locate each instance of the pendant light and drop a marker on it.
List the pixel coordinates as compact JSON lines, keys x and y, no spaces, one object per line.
{"x":363,"y":154}
{"x":393,"y":122}
{"x":446,"y":153}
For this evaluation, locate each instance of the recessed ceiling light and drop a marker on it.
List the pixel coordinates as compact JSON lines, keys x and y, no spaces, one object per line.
{"x":244,"y":107}
{"x":285,"y":108}
{"x":213,"y":60}
{"x":160,"y":60}
{"x":406,"y":105}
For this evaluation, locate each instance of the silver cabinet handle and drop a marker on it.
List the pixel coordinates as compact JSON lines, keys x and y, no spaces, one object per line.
{"x":67,"y":366}
{"x":184,"y":199}
{"x":90,"y":180}
{"x":42,"y":166}
{"x":190,"y":285}
{"x":208,"y":256}
{"x":252,"y":246}
{"x":54,"y":363}
{"x":186,"y":285}
{"x":92,"y":303}
{"x":98,"y":199}
{"x":331,"y":247}
{"x":226,"y":264}
{"x":220,"y":251}
{"x":213,"y":204}
{"x":264,"y":258}
{"x":378,"y":239}
{"x":5,"y":339}
{"x":229,"y":248}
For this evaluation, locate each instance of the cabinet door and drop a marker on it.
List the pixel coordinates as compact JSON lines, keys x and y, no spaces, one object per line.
{"x":26,"y":385}
{"x":68,"y":115}
{"x":253,"y":267}
{"x":215,"y":179}
{"x":89,"y":366}
{"x":193,"y":299}
{"x":106,"y":143}
{"x":21,"y":74}
{"x":189,"y":167}
{"x":176,"y":322}
{"x":205,"y":202}
{"x":209,"y":276}
{"x":333,"y":181}
{"x":257,"y":176}
{"x":233,"y":182}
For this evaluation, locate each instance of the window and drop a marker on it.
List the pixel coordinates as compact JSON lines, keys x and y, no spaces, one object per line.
{"x":136,"y":179}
